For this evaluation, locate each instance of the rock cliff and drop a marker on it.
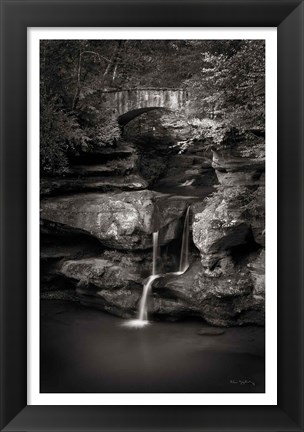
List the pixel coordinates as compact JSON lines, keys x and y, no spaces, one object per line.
{"x":97,"y":223}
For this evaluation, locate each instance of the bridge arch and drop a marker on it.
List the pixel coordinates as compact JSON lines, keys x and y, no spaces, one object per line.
{"x":125,"y":118}
{"x":127,"y":104}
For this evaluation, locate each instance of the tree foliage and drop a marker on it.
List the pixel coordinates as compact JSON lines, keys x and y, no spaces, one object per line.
{"x":66,"y":68}
{"x":230,"y":86}
{"x":60,"y":135}
{"x":225,"y":79}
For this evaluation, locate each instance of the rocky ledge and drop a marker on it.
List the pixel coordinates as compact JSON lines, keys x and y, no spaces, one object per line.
{"x":235,"y":296}
{"x":123,"y":220}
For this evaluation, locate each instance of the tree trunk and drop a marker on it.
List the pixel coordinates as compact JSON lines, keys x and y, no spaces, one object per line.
{"x":81,"y":53}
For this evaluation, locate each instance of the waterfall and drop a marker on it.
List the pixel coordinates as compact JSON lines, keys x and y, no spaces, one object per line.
{"x":143,"y":314}
{"x":155,"y":251}
{"x":183,"y":266}
{"x":184,"y":256}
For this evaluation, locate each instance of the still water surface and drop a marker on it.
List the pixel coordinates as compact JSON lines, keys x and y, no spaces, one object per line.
{"x":85,"y":350}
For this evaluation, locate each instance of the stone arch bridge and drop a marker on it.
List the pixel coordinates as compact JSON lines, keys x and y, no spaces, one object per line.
{"x":130,"y":103}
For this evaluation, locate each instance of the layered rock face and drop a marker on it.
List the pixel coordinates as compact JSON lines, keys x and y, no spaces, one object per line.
{"x":113,"y":281}
{"x":97,"y":224}
{"x":122,"y":221}
{"x":99,"y":169}
{"x":96,"y":218}
{"x":100,"y":245}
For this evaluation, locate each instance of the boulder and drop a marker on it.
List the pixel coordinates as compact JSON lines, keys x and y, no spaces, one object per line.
{"x":232,"y":218}
{"x":123,"y":221}
{"x":105,"y":273}
{"x":234,"y":297}
{"x":113,"y":281}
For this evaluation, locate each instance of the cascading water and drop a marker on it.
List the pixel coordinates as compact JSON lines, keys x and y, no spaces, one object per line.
{"x":184,"y":257}
{"x":142,"y":320}
{"x":143,"y":314}
{"x":155,"y":252}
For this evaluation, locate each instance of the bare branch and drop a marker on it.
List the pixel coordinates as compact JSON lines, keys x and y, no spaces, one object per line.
{"x":97,"y":54}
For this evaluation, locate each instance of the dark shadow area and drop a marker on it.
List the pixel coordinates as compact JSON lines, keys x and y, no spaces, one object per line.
{"x":130,"y":115}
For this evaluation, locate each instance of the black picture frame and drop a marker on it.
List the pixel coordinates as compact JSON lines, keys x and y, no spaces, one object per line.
{"x":16,"y":16}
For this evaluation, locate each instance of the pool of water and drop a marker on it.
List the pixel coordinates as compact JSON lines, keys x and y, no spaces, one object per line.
{"x":87,"y":351}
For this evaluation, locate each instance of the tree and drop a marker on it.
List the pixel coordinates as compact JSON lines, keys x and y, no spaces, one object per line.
{"x":230,"y":86}
{"x":66,"y":67}
{"x":60,"y":135}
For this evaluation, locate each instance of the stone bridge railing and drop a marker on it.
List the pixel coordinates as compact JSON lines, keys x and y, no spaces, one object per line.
{"x":123,"y":101}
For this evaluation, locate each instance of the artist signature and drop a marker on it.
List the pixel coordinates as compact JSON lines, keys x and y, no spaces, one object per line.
{"x":242,"y":382}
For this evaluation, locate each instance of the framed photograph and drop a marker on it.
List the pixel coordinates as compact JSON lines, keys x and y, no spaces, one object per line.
{"x":147,"y":233}
{"x":151,"y":215}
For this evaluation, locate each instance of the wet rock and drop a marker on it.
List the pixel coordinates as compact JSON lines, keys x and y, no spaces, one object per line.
{"x":229,"y":299}
{"x":104,"y":273}
{"x":112,"y":282}
{"x":123,"y":221}
{"x":66,"y":185}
